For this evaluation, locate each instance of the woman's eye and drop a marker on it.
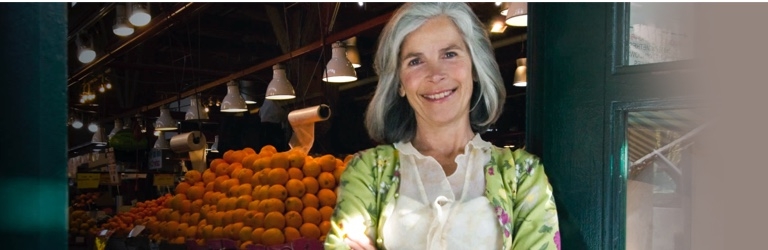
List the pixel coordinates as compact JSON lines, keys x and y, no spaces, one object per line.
{"x":450,"y":54}
{"x":413,"y":62}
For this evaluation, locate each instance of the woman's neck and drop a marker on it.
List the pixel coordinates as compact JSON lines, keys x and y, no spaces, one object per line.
{"x":443,"y":144}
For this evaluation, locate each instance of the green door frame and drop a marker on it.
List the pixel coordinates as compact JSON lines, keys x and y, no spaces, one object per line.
{"x":33,"y":184}
{"x":579,"y":89}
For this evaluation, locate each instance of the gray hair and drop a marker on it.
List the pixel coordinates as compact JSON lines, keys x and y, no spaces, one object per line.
{"x":389,"y":117}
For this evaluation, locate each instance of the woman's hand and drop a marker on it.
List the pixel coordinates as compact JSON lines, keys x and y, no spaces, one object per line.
{"x":358,"y":241}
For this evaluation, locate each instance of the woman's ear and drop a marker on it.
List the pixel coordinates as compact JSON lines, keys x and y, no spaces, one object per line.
{"x":401,"y":91}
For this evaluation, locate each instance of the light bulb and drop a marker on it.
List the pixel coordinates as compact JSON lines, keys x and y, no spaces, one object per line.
{"x":206,"y":109}
{"x":101,"y":88}
{"x":77,"y":124}
{"x":109,"y":85}
{"x":93,"y":127}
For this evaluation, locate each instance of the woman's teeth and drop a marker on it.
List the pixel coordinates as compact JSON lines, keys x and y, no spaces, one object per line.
{"x":438,"y":95}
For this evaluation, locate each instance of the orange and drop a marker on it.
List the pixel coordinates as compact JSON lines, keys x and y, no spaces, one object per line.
{"x":309,"y":230}
{"x":311,"y":215}
{"x":268,"y":148}
{"x":249,"y":160}
{"x":337,"y":173}
{"x":271,"y":205}
{"x":244,"y":189}
{"x":293,"y":204}
{"x":253,"y":205}
{"x":192,"y":176}
{"x":293,"y":219}
{"x":258,"y":220}
{"x":256,"y":235}
{"x":272,"y":236}
{"x":274,"y":220}
{"x":210,"y":187}
{"x":237,"y":156}
{"x":218,"y":233}
{"x":348,"y":158}
{"x":295,"y":188}
{"x":327,"y":197}
{"x":194,"y":219}
{"x":278,"y":191}
{"x":226,"y":218}
{"x":248,"y":151}
{"x":262,"y":163}
{"x":232,"y":167}
{"x":263,"y":193}
{"x":327,"y":163}
{"x":234,"y":231}
{"x":208,"y":176}
{"x":295,"y":173}
{"x":218,"y":183}
{"x":195,"y":192}
{"x":245,"y":175}
{"x":181,"y":188}
{"x":311,"y":185}
{"x":326,"y":212}
{"x":325,"y":226}
{"x":311,"y":169}
{"x":243,"y":201}
{"x":238,"y":215}
{"x":310,"y":200}
{"x":214,"y":163}
{"x":280,"y":160}
{"x":245,"y":233}
{"x":246,"y":243}
{"x":326,"y":180}
{"x":296,"y":159}
{"x":264,"y":177}
{"x":278,"y":176}
{"x":228,"y":156}
{"x":221,"y":169}
{"x":291,"y":234}
{"x":229,"y":183}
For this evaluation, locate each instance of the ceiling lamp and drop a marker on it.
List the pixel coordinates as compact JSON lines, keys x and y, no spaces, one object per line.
{"x":98,"y":137}
{"x":161,"y":142}
{"x":85,"y":54}
{"x":279,"y":88}
{"x":117,"y":128}
{"x":195,"y":112}
{"x":121,"y":27}
{"x":248,"y":91}
{"x":352,"y":54}
{"x":498,"y":25}
{"x":233,"y":102}
{"x":165,"y":122}
{"x":93,"y":127}
{"x":339,"y":68}
{"x":139,"y":14}
{"x":517,"y":14}
{"x":521,"y":78}
{"x":215,"y":146}
{"x":77,"y":123}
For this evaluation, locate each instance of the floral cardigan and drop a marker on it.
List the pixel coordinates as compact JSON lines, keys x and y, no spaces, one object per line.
{"x":516,"y":186}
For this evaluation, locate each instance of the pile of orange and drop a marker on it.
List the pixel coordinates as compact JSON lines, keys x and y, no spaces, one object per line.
{"x":141,"y":214}
{"x":264,"y":197}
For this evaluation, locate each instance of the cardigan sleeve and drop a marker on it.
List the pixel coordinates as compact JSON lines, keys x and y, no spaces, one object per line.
{"x":535,"y":220}
{"x":356,"y":206}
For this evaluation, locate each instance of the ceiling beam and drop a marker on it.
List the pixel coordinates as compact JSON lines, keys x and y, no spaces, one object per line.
{"x":342,"y":35}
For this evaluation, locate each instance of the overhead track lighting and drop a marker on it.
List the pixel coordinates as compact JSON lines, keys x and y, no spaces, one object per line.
{"x":165,"y":122}
{"x":194,"y":111}
{"x":139,"y":14}
{"x":161,"y":142}
{"x":233,"y":102}
{"x":339,"y":68}
{"x":121,"y":27}
{"x":279,"y":88}
{"x":517,"y":14}
{"x":521,"y":78}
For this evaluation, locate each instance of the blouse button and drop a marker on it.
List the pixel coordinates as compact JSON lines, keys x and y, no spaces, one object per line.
{"x":379,"y":240}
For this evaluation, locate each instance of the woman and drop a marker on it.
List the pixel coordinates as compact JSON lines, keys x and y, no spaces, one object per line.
{"x":434,"y":183}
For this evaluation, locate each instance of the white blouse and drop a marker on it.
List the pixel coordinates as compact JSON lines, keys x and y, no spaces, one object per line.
{"x":435,"y":211}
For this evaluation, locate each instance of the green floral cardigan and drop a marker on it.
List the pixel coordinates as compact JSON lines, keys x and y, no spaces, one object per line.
{"x":516,"y":186}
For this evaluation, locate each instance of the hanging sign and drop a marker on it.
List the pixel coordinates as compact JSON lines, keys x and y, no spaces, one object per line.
{"x":110,"y":156}
{"x":88,"y":180}
{"x":163,"y":180}
{"x":114,"y":177}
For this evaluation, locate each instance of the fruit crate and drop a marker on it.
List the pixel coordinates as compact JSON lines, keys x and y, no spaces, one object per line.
{"x":218,"y":244}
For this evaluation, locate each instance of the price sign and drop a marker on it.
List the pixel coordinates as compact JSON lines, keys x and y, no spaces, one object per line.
{"x":110,"y":156}
{"x":114,"y":177}
{"x":163,"y":180}
{"x":88,"y":180}
{"x":155,"y":159}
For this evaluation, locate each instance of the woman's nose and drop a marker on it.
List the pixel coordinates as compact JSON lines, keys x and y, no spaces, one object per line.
{"x":437,"y":71}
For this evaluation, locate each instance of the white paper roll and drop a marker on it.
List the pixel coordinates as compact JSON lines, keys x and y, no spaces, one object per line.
{"x":303,"y":124}
{"x":187,"y":142}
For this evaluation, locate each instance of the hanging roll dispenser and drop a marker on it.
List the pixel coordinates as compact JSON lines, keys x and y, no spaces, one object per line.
{"x":303,"y":123}
{"x":194,"y":143}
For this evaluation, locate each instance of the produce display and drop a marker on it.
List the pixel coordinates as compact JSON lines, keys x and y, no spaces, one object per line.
{"x":254,"y":198}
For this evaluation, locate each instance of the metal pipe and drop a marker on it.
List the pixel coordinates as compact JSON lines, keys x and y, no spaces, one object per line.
{"x":161,"y":25}
{"x":342,"y":35}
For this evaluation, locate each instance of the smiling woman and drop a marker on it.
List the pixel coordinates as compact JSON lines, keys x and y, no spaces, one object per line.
{"x":434,"y":182}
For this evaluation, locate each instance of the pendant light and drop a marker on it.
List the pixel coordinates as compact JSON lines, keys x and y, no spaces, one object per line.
{"x":93,"y":127}
{"x":98,"y":137}
{"x":353,"y":55}
{"x":279,"y":88}
{"x":215,"y":146}
{"x":165,"y":122}
{"x":521,"y":78}
{"x":194,"y":112}
{"x":85,"y":53}
{"x":77,"y":123}
{"x":121,"y":27}
{"x":139,"y":14}
{"x":117,"y":128}
{"x":339,"y":68}
{"x":161,"y":142}
{"x":517,"y":14}
{"x":233,"y":102}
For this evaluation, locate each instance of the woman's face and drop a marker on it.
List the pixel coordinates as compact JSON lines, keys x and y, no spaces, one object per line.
{"x":436,"y":73}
